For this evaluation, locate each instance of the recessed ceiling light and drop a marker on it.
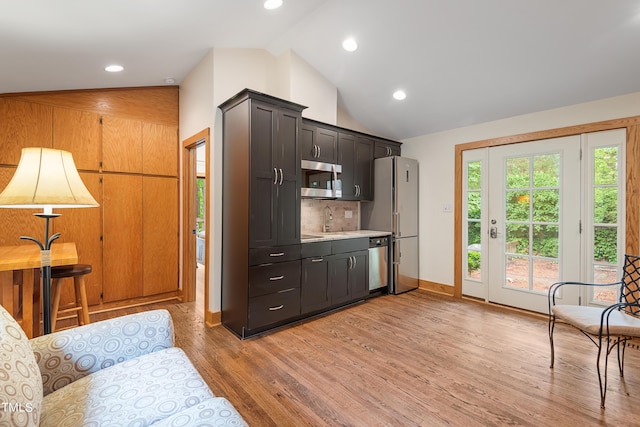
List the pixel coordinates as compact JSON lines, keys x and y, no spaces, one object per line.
{"x":350,"y":44}
{"x":272,"y":4}
{"x":114,"y":68}
{"x":399,"y":95}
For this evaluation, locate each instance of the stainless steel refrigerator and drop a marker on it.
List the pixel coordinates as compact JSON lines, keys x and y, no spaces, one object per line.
{"x":395,"y":208}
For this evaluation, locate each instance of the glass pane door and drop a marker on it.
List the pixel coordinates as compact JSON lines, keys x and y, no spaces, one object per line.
{"x":534,"y":215}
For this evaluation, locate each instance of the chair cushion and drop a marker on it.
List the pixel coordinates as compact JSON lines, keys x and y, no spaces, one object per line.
{"x":20,"y":380}
{"x":137,"y":392}
{"x":215,"y":412}
{"x":588,"y":319}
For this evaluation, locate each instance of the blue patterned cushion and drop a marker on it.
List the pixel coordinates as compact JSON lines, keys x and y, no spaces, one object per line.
{"x":137,"y":392}
{"x":71,"y":354}
{"x":20,"y":380}
{"x":215,"y":412}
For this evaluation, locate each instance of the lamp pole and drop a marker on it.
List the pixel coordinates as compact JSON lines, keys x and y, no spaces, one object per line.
{"x":45,"y":260}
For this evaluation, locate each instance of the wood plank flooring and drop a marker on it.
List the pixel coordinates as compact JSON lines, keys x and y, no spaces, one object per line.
{"x":416,"y":359}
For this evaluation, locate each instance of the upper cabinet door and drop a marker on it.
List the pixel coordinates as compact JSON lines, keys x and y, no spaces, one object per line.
{"x":159,"y":149}
{"x":79,"y":133}
{"x":327,"y":142}
{"x":287,"y":153}
{"x":288,"y":186}
{"x":318,"y":143}
{"x":346,"y":158}
{"x":121,"y":145}
{"x":363,"y":167}
{"x":355,"y":154}
{"x":307,"y":142}
{"x":23,"y":124}
{"x":386,"y":149}
{"x":264,"y":176}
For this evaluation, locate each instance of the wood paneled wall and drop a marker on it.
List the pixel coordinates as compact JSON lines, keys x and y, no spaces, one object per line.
{"x":125,"y":143}
{"x":147,"y":104}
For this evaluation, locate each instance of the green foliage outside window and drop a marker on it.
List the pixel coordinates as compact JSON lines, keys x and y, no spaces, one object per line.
{"x":537,"y":194}
{"x":201,"y":188}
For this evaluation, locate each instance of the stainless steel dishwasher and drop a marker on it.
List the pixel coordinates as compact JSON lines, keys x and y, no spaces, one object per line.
{"x":378,"y":263}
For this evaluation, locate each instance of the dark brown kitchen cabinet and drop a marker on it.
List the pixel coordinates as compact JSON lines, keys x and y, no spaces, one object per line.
{"x":274,"y":294}
{"x":260,"y":209}
{"x":386,"y":149}
{"x":274,"y":201}
{"x":355,"y":154}
{"x":318,"y":143}
{"x":348,"y":270}
{"x":314,"y":280}
{"x":348,"y":277}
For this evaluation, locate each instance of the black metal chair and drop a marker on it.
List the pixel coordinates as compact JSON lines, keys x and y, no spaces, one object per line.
{"x":609,"y":327}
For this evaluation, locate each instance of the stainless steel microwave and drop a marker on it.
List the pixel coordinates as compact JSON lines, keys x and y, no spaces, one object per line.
{"x":321,"y":180}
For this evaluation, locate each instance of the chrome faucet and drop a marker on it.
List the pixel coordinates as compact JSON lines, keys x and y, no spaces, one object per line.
{"x":325,"y":226}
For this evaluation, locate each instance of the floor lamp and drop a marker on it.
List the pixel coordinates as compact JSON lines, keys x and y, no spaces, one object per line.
{"x":47,"y":179}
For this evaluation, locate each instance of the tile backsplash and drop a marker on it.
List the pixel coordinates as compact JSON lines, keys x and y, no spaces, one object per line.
{"x":346,"y":215}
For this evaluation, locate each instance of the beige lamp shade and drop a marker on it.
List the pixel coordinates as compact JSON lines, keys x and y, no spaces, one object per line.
{"x":46,"y":178}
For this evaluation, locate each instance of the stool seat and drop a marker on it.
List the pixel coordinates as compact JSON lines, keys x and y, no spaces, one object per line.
{"x":70,"y":270}
{"x":77,"y":272}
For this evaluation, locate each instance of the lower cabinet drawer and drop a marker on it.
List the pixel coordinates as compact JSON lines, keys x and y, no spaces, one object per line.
{"x":272,"y":278}
{"x":268,"y":309}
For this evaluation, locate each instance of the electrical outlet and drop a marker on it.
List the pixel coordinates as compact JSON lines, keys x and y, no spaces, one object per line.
{"x":447,"y":208}
{"x":348,"y":214}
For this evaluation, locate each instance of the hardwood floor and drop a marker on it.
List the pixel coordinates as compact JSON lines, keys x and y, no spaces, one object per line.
{"x":416,"y":359}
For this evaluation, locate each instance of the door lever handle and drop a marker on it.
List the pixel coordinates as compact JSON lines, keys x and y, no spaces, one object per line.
{"x":493,"y":232}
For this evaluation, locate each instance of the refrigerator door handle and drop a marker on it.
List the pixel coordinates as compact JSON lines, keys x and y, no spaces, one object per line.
{"x":396,"y":224}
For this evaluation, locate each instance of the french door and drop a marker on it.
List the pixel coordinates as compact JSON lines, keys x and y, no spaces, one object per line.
{"x":534,"y":221}
{"x":541,"y":212}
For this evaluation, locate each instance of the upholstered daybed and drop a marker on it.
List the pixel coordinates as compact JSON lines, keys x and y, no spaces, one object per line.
{"x":118,"y":372}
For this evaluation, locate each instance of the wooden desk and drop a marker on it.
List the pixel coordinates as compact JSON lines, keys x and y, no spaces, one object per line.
{"x":21,"y":262}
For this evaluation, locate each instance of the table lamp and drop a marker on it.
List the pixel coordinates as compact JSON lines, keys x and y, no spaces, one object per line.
{"x":47,"y":179}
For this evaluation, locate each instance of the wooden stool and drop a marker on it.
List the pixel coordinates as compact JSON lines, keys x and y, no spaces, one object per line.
{"x":76,"y":271}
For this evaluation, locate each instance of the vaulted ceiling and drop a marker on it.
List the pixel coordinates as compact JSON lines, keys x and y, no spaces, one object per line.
{"x":461,"y":62}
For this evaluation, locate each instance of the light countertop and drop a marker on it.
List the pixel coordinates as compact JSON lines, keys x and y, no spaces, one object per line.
{"x":308,"y":237}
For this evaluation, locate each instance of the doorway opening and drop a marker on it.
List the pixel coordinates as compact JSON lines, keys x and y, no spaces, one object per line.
{"x":196,"y":208}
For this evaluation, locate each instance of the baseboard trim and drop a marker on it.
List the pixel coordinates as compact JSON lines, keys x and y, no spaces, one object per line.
{"x":212,"y":318}
{"x":134,"y":302}
{"x":438,"y":288}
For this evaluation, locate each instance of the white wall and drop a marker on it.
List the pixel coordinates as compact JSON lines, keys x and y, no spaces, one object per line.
{"x":310,"y":88}
{"x":345,"y":120}
{"x":237,"y":69}
{"x":195,"y":106}
{"x":222,"y":74}
{"x":196,"y":99}
{"x":435,"y":152}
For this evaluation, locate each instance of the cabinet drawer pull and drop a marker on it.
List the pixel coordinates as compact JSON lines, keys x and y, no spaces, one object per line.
{"x":286,"y":290}
{"x":317,"y":260}
{"x":280,"y":307}
{"x":273,"y":279}
{"x":277,"y":254}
